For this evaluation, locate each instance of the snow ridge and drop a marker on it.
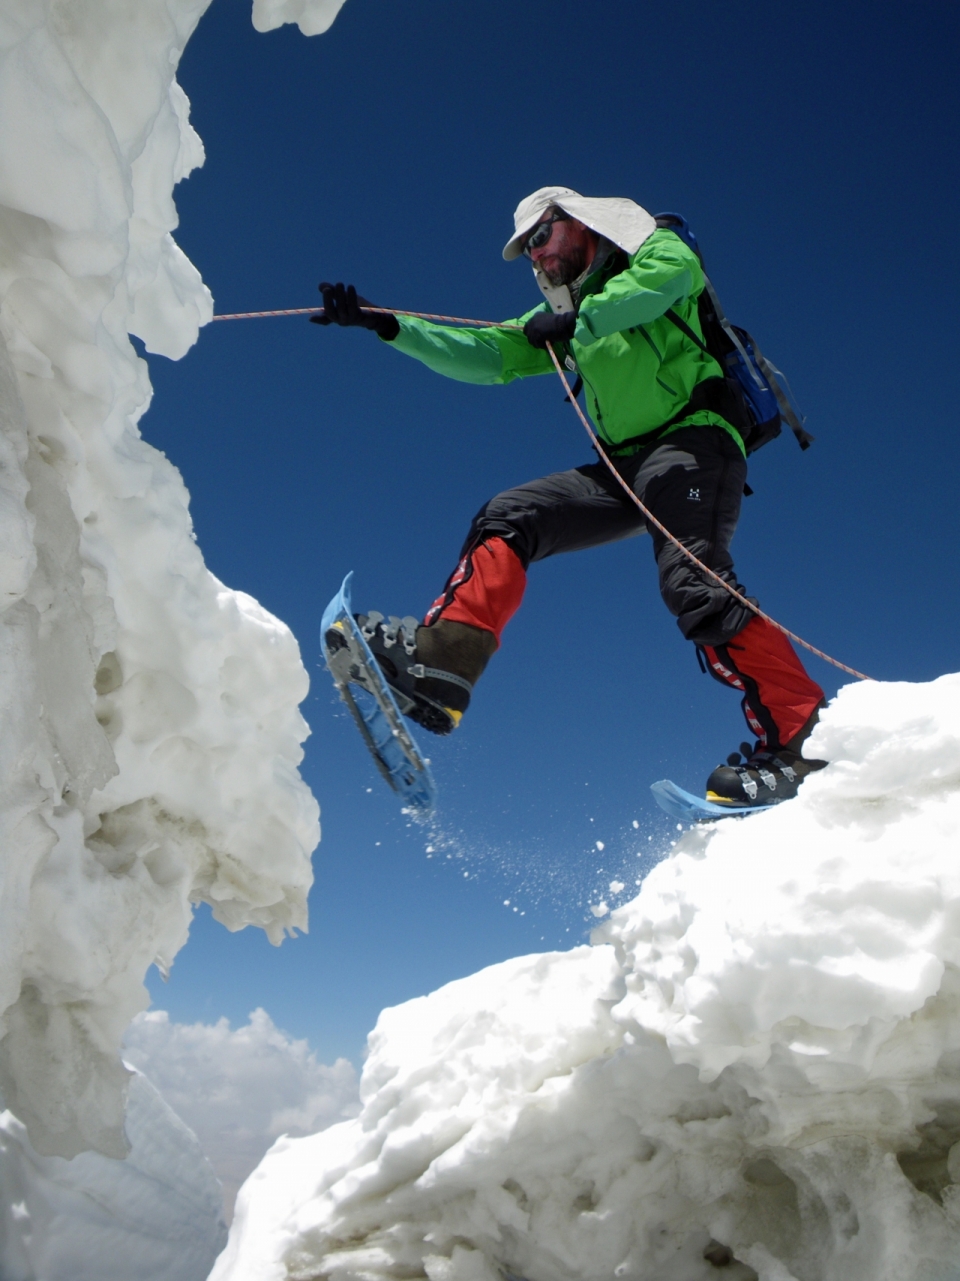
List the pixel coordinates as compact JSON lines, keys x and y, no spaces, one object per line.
{"x":755,"y":1067}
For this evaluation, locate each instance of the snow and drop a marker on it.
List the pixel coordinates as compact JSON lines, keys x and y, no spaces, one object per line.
{"x":313,"y":17}
{"x":151,"y":725}
{"x":755,"y":1066}
{"x":239,"y":1090}
{"x":154,"y":1216}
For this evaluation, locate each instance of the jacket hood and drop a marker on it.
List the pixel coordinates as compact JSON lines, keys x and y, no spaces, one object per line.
{"x":623,"y":222}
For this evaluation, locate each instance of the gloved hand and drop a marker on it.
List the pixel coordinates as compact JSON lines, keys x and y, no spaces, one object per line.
{"x":342,"y":306}
{"x":548,"y":326}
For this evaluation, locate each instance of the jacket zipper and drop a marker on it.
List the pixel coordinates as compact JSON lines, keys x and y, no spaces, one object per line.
{"x":596,"y":401}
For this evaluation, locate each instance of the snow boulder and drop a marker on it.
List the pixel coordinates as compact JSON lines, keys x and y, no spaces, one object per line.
{"x":756,"y":1066}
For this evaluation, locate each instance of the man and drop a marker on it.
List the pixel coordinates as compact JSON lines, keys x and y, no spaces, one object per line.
{"x":608,"y":275}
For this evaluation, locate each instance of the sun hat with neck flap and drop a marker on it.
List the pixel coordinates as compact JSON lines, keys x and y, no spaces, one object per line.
{"x":621,"y":221}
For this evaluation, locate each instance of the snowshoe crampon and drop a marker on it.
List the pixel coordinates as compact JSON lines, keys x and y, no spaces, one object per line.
{"x":372,"y":705}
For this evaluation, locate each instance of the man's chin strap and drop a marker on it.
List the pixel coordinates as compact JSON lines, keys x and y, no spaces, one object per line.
{"x":558,"y":296}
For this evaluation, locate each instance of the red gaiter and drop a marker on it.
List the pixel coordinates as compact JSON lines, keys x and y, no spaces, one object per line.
{"x":779,"y":696}
{"x":485,"y":590}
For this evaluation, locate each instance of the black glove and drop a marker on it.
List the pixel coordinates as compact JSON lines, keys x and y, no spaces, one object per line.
{"x":343,"y":306}
{"x":548,"y":326}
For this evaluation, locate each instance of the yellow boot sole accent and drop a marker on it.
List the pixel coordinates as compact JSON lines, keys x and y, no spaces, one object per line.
{"x":724,"y":800}
{"x":456,"y":717}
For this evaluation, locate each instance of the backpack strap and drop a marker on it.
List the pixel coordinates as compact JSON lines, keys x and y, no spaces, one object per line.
{"x":772,"y":373}
{"x":777,"y":380}
{"x":680,"y":227}
{"x":685,"y":329}
{"x":727,"y":328}
{"x":731,"y":333}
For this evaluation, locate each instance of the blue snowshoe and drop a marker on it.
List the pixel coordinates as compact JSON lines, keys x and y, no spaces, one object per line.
{"x":688,"y":808}
{"x":758,"y":781}
{"x":373,"y":705}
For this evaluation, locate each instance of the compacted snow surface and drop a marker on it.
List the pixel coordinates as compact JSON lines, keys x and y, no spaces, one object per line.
{"x":755,"y":1067}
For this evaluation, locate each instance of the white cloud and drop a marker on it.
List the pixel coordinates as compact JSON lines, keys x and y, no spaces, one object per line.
{"x":240,"y":1090}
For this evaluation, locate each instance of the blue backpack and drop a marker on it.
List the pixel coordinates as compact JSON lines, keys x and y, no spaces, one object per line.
{"x":756,"y":396}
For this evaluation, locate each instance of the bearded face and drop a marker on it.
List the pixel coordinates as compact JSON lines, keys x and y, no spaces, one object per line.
{"x":564,"y":268}
{"x":567,"y":253}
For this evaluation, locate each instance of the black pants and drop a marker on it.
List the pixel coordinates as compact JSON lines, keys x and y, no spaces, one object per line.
{"x":692,"y":481}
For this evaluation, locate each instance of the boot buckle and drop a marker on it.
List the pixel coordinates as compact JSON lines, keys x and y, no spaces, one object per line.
{"x":787,"y":771}
{"x":749,"y":784}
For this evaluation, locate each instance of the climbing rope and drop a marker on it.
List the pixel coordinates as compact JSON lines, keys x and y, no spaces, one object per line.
{"x":647,"y":514}
{"x":383,"y":311}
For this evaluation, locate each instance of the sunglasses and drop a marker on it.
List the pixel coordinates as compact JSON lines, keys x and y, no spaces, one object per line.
{"x":543,"y":231}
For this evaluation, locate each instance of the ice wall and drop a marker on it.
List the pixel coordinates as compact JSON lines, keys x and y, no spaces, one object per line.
{"x":153,"y":1217}
{"x":151,"y":732}
{"x":756,"y":1067}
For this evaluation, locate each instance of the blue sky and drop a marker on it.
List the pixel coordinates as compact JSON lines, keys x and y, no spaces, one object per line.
{"x":814,"y":151}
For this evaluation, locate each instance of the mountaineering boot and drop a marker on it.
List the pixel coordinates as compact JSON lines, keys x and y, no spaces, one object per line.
{"x":764,"y":776}
{"x":431,"y":670}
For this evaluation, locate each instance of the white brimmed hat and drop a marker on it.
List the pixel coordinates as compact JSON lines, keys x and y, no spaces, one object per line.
{"x":622,"y":221}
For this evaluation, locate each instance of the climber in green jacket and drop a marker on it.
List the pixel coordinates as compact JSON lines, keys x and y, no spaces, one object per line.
{"x":608,"y":276}
{"x":638,"y":368}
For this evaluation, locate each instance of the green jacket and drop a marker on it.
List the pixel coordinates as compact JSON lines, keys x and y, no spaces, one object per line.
{"x":638,"y":368}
